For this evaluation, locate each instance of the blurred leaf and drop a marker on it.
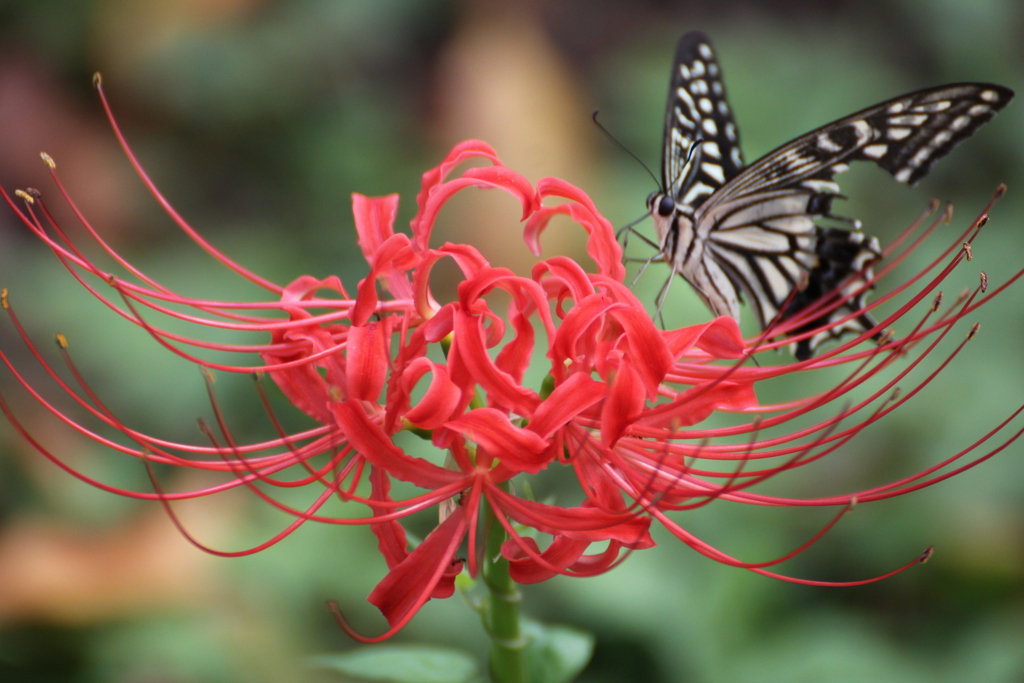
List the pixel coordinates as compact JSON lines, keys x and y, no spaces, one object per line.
{"x":556,"y":654}
{"x":402,"y":664}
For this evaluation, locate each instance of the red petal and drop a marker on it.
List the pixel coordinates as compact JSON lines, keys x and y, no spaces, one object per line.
{"x":440,"y":399}
{"x":429,"y":569}
{"x":517,"y":448}
{"x":494,"y":177}
{"x":367,"y":360}
{"x":697,"y":403}
{"x":568,"y":400}
{"x":601,"y":243}
{"x":391,"y":539}
{"x":375,"y":218}
{"x":720,"y":337}
{"x":581,"y":523}
{"x":463,"y":151}
{"x":374,"y":445}
{"x":502,"y":390}
{"x":624,"y":405}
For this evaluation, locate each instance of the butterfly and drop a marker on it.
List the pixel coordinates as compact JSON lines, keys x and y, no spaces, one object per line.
{"x":738,"y":232}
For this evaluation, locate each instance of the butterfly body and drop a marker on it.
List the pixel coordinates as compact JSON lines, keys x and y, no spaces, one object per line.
{"x":738,"y":232}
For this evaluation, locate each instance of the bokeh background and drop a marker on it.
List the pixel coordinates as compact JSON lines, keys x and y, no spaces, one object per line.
{"x":258,"y":118}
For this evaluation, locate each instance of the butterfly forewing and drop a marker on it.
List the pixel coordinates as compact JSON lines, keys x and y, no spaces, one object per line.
{"x":698,"y":109}
{"x":753,"y":229}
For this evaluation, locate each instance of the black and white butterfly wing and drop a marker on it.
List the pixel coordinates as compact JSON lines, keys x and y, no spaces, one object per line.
{"x":698,"y":110}
{"x":756,"y":234}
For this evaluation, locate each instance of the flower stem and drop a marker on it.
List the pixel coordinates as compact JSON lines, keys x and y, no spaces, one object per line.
{"x":501,"y":613}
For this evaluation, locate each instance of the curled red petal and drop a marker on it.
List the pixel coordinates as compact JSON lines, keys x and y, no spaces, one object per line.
{"x":720,"y":337}
{"x":462,"y":152}
{"x":601,"y":243}
{"x":367,"y":360}
{"x":440,"y":399}
{"x":368,"y":439}
{"x":502,"y":389}
{"x":517,"y":448}
{"x":569,"y":399}
{"x":430,"y":568}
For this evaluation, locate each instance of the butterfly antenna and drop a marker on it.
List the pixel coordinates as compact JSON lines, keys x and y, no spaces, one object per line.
{"x":625,"y":149}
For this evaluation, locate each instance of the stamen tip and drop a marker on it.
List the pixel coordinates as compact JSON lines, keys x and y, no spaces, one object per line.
{"x":61,"y":340}
{"x":1000,"y":191}
{"x":48,"y":160}
{"x":97,"y":80}
{"x":208,"y":376}
{"x":974,"y":331}
{"x":983,"y":220}
{"x":926,"y":555}
{"x":937,"y":303}
{"x":984,"y":281}
{"x":967,"y":246}
{"x":949,"y":212}
{"x":3,"y":299}
{"x":22,"y":194}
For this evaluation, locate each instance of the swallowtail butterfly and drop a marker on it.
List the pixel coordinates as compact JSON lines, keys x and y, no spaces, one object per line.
{"x":735,"y":231}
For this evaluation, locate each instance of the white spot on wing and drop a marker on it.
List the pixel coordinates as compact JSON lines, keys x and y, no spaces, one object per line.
{"x":711,"y":149}
{"x":683,"y":119}
{"x":821,"y":186}
{"x":723,"y":108}
{"x":941,"y":138}
{"x":896,"y":107}
{"x":897,"y":133}
{"x":932,"y":107}
{"x":875,"y":151}
{"x":908,"y":120}
{"x":716,"y":87}
{"x":921,"y":155}
{"x":793,"y":225}
{"x":705,"y":105}
{"x":684,"y":71}
{"x":709,"y":127}
{"x":989,"y":95}
{"x":960,"y":122}
{"x":753,"y":238}
{"x":903,"y":174}
{"x":699,"y":87}
{"x":697,"y":68}
{"x":734,"y":155}
{"x":777,"y":282}
{"x":705,"y":51}
{"x":714,"y":171}
{"x":826,"y":144}
{"x":699,"y":189}
{"x":979,"y":109}
{"x":730,"y":131}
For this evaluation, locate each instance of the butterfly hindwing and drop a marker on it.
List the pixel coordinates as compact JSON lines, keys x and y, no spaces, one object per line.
{"x":698,"y":109}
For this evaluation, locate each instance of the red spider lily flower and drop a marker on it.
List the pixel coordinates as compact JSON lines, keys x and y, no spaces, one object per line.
{"x":621,"y":403}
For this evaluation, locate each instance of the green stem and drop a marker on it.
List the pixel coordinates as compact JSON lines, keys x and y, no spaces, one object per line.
{"x":501,"y":613}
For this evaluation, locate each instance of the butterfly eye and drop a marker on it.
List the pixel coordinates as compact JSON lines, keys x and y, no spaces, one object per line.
{"x":666,"y":206}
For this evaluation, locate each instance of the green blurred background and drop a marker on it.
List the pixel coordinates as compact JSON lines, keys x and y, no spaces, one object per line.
{"x":259,"y":118}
